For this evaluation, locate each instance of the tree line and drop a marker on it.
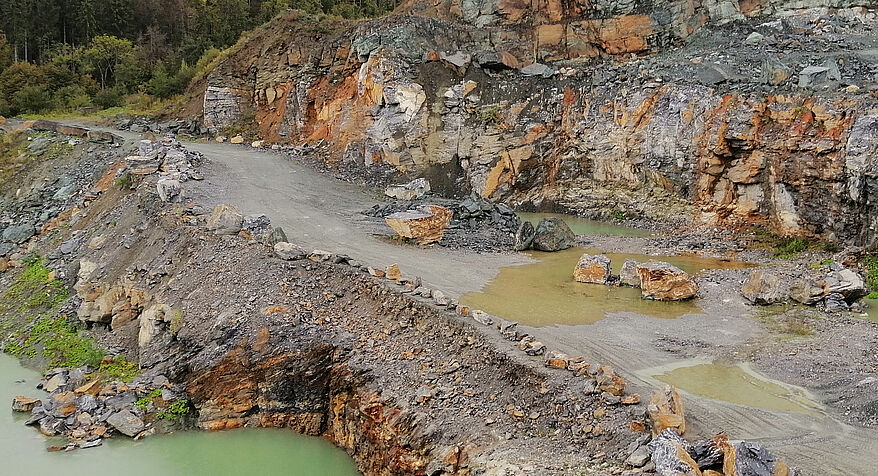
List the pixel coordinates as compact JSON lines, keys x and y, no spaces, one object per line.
{"x":68,"y":54}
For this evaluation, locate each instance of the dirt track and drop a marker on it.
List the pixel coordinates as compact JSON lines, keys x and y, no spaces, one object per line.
{"x":317,"y":211}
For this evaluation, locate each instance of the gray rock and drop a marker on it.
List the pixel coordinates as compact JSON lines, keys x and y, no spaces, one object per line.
{"x":276,"y":236}
{"x":524,"y":236}
{"x":168,"y":190}
{"x":458,"y":59}
{"x":410,"y":191}
{"x":257,"y":224}
{"x":754,"y":39}
{"x":639,"y":457}
{"x":69,"y":246}
{"x":665,"y":450}
{"x":552,"y":234}
{"x":225,"y":220}
{"x":835,"y":302}
{"x":126,"y":423}
{"x":537,"y":69}
{"x":813,"y":76}
{"x":628,"y":275}
{"x":848,"y":283}
{"x":807,"y":291}
{"x":18,"y":234}
{"x":763,"y":288}
{"x":752,"y":459}
{"x":440,"y":299}
{"x":289,"y":251}
{"x":65,"y":192}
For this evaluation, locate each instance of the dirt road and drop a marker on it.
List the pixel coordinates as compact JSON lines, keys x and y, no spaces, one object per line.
{"x":318,"y":211}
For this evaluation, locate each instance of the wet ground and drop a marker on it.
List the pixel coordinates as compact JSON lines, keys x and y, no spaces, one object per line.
{"x":584,"y":226}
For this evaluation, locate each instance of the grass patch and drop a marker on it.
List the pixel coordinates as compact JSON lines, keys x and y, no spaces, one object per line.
{"x":118,"y":368}
{"x":125,"y":182}
{"x":789,"y":248}
{"x":175,"y":411}
{"x":244,"y":126}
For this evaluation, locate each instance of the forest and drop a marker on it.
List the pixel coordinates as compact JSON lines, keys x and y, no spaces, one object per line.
{"x":66,"y":55}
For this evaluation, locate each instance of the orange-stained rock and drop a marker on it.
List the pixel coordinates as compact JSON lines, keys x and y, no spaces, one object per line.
{"x":664,"y":282}
{"x":426,"y":225}
{"x":593,"y":269}
{"x":666,"y":411}
{"x":611,"y":383}
{"x":393,"y":272}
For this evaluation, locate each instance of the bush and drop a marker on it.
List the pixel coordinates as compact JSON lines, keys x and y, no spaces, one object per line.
{"x":72,"y":98}
{"x":107,"y":98}
{"x":32,"y":99}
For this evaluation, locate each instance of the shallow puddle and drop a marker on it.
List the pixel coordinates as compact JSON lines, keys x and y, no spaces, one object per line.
{"x":544,"y":293}
{"x":584,"y":226}
{"x":738,"y":384}
{"x":871,"y":313}
{"x":190,"y":453}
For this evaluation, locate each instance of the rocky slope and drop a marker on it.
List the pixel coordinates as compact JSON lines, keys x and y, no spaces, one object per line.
{"x":721,"y":113}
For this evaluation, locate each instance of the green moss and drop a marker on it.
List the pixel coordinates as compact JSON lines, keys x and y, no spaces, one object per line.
{"x":490,"y":115}
{"x":176,"y":321}
{"x":175,"y":411}
{"x":125,"y":182}
{"x":619,"y":215}
{"x":118,"y":369}
{"x":789,"y":248}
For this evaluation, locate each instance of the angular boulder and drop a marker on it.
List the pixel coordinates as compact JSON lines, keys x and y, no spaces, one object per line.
{"x":168,"y":190}
{"x":848,"y":283}
{"x":752,"y":459}
{"x":225,"y":220}
{"x":628,"y":275}
{"x":126,"y":423}
{"x":552,"y":234}
{"x":425,"y":225}
{"x":524,"y":236}
{"x":24,"y":404}
{"x":18,"y":234}
{"x":666,"y":411}
{"x":763,"y":288}
{"x":592,"y":269}
{"x":410,"y":191}
{"x":289,"y":251}
{"x":670,"y":454}
{"x":808,"y":291}
{"x":664,"y":282}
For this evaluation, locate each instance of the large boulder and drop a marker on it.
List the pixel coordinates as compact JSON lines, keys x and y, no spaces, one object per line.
{"x":524,"y":236}
{"x":848,"y":283}
{"x":411,"y":191}
{"x":670,"y":454}
{"x":752,"y":459}
{"x":664,"y":282}
{"x":225,"y":220}
{"x":19,"y":233}
{"x":808,"y":291}
{"x":593,"y":269}
{"x":424,"y":225}
{"x":168,"y":189}
{"x":552,"y":234}
{"x":666,"y":411}
{"x":126,"y":423}
{"x":763,"y":288}
{"x":628,"y":275}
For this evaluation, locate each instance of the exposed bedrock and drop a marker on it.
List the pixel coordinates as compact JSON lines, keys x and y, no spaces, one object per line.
{"x":587,"y":106}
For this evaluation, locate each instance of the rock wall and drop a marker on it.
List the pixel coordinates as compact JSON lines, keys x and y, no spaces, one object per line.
{"x":595,"y":107}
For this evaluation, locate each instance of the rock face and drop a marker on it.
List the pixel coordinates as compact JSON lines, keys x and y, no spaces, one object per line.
{"x":664,"y":282}
{"x":425,"y":225}
{"x":594,"y":269}
{"x":763,"y":288}
{"x":552,"y":234}
{"x":496,"y":114}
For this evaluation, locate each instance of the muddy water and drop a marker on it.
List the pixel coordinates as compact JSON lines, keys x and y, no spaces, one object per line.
{"x":871,"y":313}
{"x":237,"y":452}
{"x":736,"y":383}
{"x":583,"y":226}
{"x":544,"y":293}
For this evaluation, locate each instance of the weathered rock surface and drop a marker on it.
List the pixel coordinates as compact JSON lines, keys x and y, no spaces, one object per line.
{"x":524,"y":236}
{"x":225,"y":220}
{"x":426,"y":225}
{"x":670,"y":454}
{"x":127,"y":423}
{"x":411,"y":191}
{"x":628,"y":274}
{"x":594,"y":269}
{"x":552,"y":234}
{"x":808,"y":291}
{"x":764,"y":288}
{"x":664,"y":282}
{"x":666,"y":411}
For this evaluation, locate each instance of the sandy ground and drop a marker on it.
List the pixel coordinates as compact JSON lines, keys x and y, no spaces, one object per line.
{"x":318,"y":211}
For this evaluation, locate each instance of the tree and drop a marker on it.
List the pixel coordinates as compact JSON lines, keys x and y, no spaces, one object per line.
{"x":5,"y":53}
{"x":104,"y":53}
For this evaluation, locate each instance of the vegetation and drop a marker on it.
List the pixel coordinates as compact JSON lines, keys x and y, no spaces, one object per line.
{"x":64,"y":55}
{"x":118,"y":368}
{"x":490,"y":115}
{"x":33,"y":330}
{"x":619,"y":215}
{"x":790,"y":247}
{"x":175,"y":411}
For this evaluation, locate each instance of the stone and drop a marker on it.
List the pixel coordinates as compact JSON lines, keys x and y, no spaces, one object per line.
{"x":670,"y":454}
{"x":754,"y":39}
{"x":639,"y":457}
{"x":103,"y":137}
{"x":710,"y":453}
{"x":524,"y":236}
{"x":237,"y":140}
{"x":18,"y":234}
{"x":126,"y":423}
{"x":628,"y":275}
{"x":413,"y":190}
{"x":807,"y":291}
{"x":538,"y":69}
{"x":257,"y":144}
{"x":593,"y":269}
{"x":55,"y":382}
{"x":257,"y":225}
{"x":666,"y":411}
{"x":664,"y":282}
{"x":225,"y":220}
{"x":835,"y":302}
{"x":276,"y":236}
{"x":440,"y":299}
{"x":816,"y":75}
{"x":140,"y":165}
{"x":763,"y":288}
{"x":774,"y":72}
{"x":24,"y":404}
{"x":288,"y":251}
{"x":481,"y":317}
{"x":848,"y":283}
{"x":752,"y":459}
{"x":393,"y":272}
{"x":168,"y":190}
{"x":611,"y":383}
{"x":425,"y":225}
{"x":552,"y":234}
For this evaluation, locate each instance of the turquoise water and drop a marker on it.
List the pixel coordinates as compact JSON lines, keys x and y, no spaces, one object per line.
{"x":584,"y":226}
{"x":255,"y":452}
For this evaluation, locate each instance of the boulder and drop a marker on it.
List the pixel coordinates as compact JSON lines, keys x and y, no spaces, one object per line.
{"x":524,"y":236}
{"x":807,"y":291}
{"x":593,"y":269}
{"x":19,"y":233}
{"x":813,"y":76}
{"x":126,"y":423}
{"x":628,"y":275}
{"x":752,"y":459}
{"x":763,"y":288}
{"x":670,"y":454}
{"x":552,"y":234}
{"x":664,"y":282}
{"x":411,"y":191}
{"x":276,"y":236}
{"x":225,"y":220}
{"x":140,"y":165}
{"x":257,"y":225}
{"x":289,"y":251}
{"x":666,"y":411}
{"x":835,"y":302}
{"x":24,"y":404}
{"x":103,"y":137}
{"x":848,"y":283}
{"x":237,"y":140}
{"x":425,"y":225}
{"x":168,"y":190}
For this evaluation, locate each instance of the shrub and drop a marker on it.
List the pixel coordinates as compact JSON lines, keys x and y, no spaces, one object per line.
{"x":790,"y":247}
{"x":107,"y":98}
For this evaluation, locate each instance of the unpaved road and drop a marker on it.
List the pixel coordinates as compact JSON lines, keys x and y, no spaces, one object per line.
{"x":318,"y":211}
